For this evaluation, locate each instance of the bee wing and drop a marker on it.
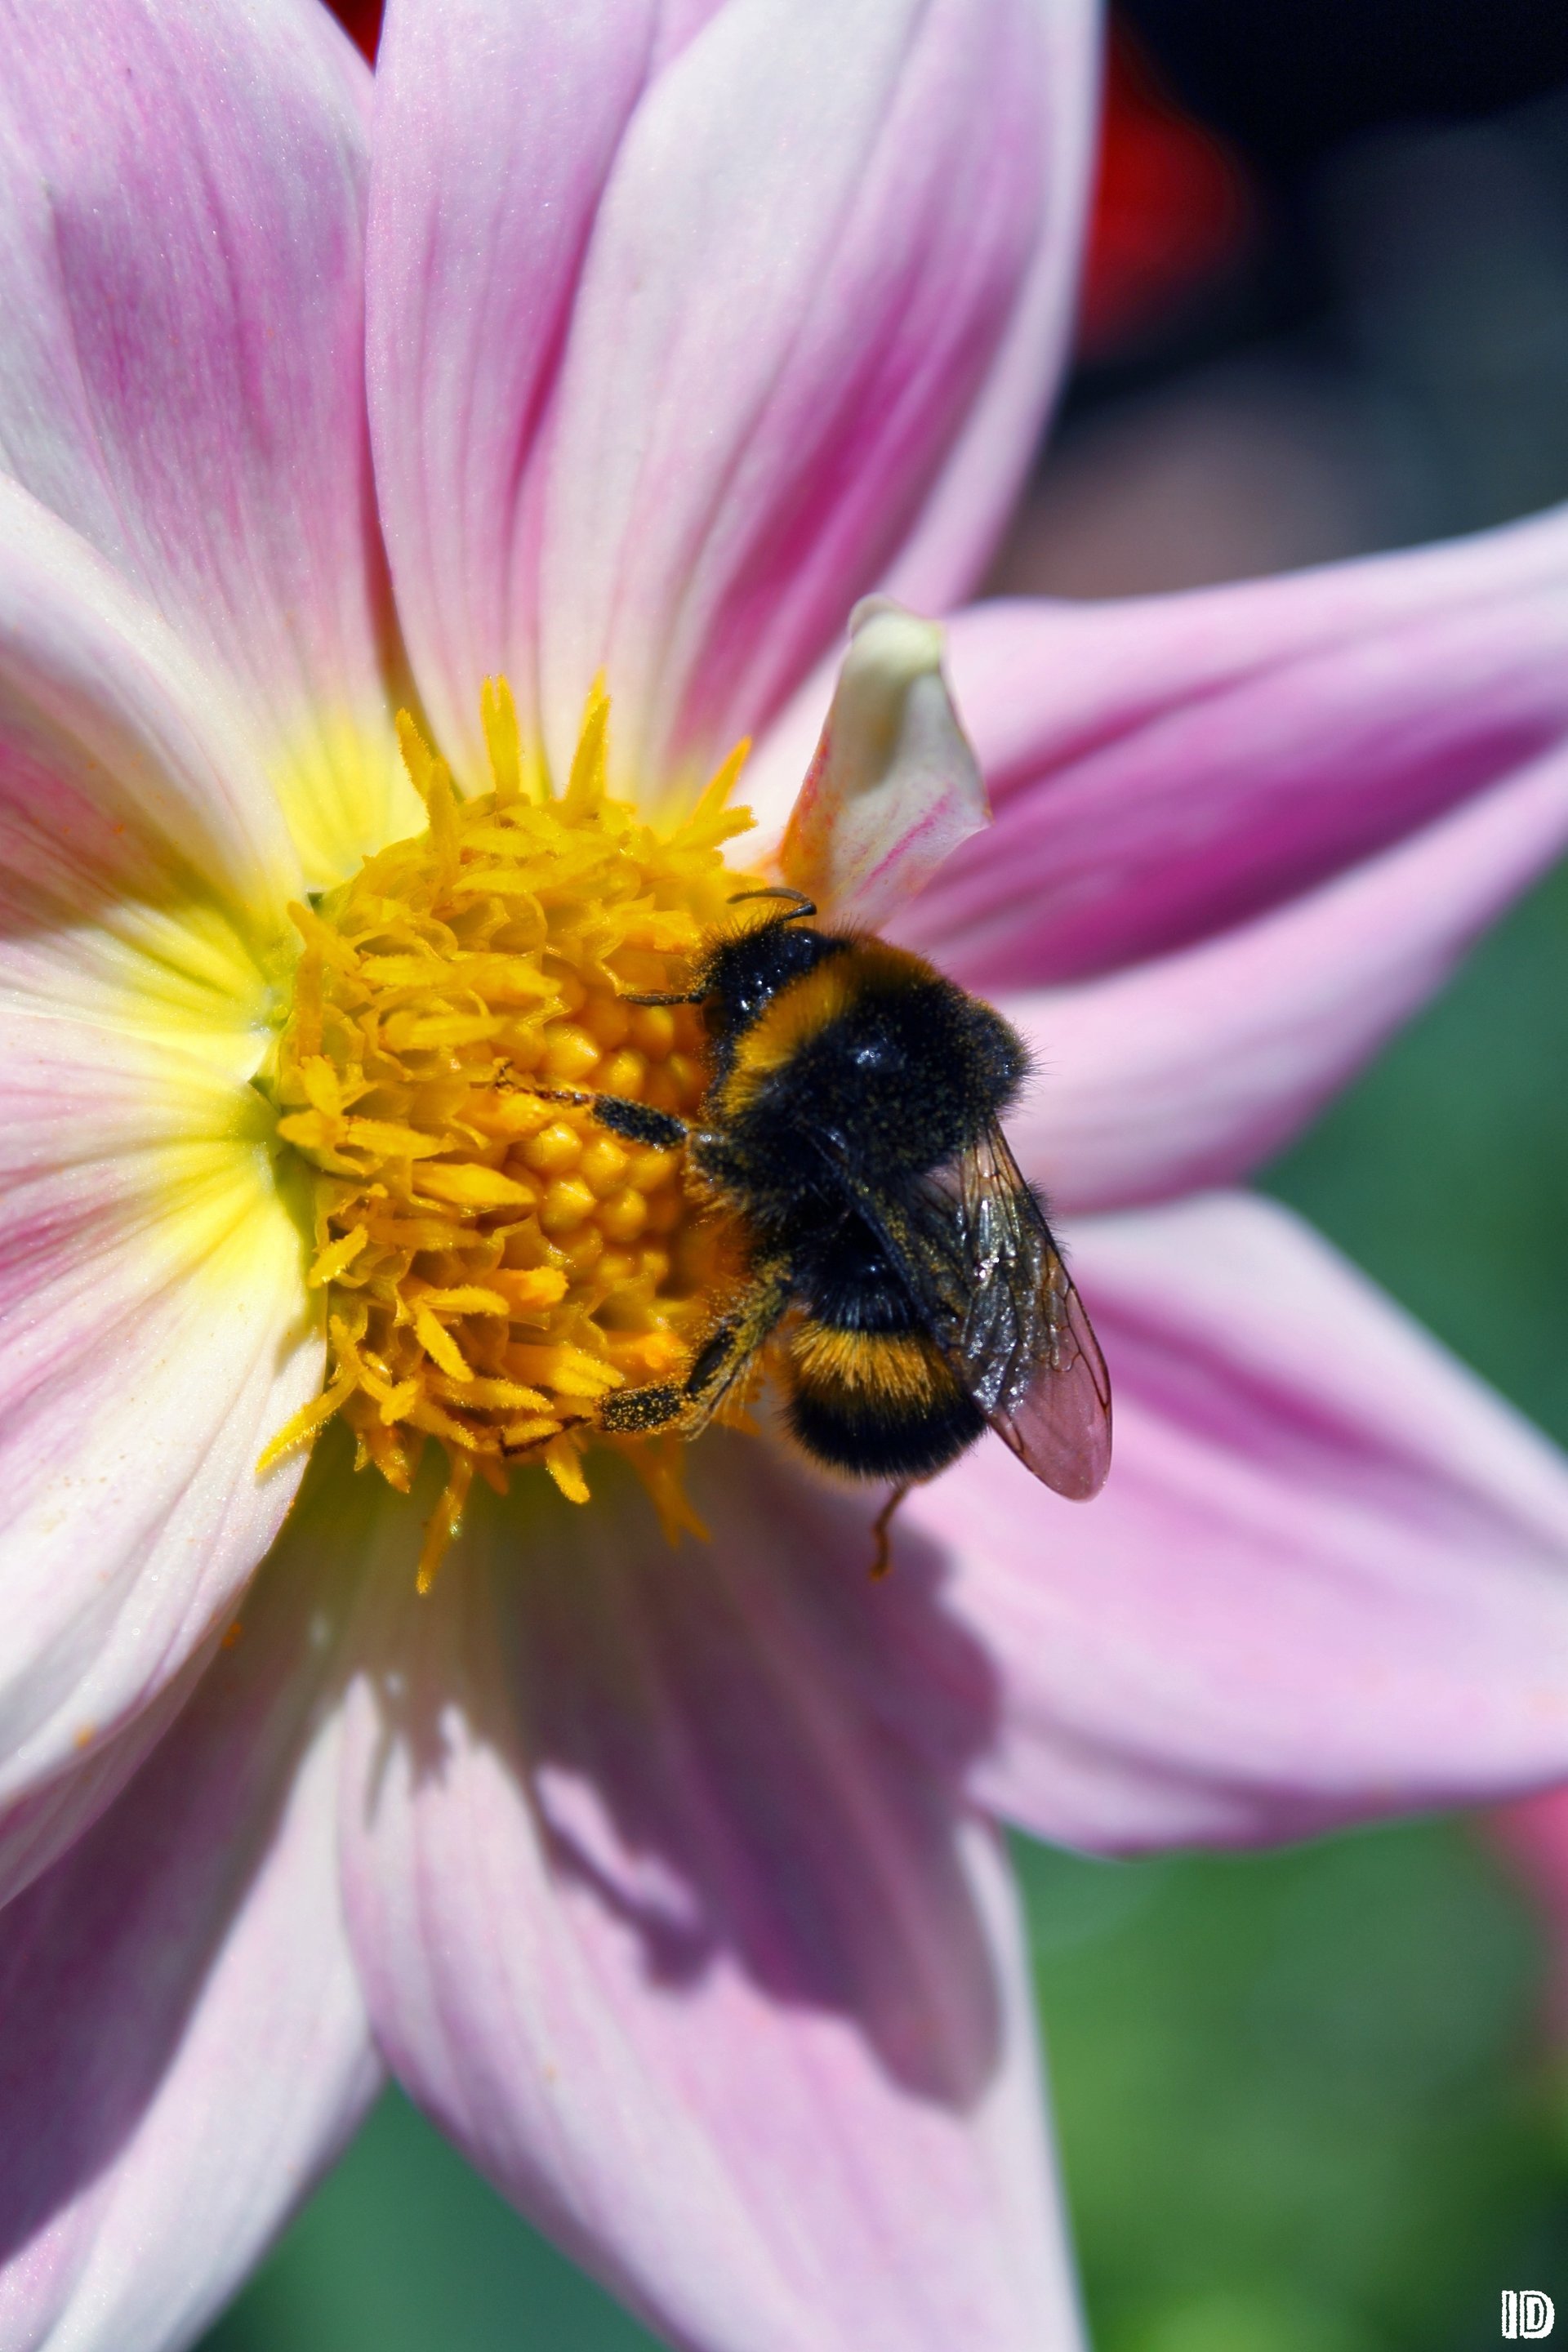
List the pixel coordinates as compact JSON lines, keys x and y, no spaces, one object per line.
{"x":1021,"y":1338}
{"x":977,"y":1253}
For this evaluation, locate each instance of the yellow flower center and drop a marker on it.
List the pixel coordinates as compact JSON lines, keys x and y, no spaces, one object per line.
{"x":494,"y":1261}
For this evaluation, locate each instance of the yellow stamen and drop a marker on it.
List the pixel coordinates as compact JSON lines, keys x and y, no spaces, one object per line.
{"x":495,"y":1262}
{"x":446,"y":1518}
{"x":498,"y":714}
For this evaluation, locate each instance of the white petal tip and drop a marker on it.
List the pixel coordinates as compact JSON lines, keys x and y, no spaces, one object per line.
{"x":894,"y":786}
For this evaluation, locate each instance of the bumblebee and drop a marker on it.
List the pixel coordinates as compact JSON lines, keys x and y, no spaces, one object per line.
{"x":851,"y":1128}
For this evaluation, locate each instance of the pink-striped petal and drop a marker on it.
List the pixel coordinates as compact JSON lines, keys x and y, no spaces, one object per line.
{"x":894,"y":787}
{"x":496,"y":126}
{"x":966,"y":509}
{"x":183,"y":2043}
{"x":129,"y":789}
{"x":808,"y":258}
{"x":151,"y":1330}
{"x":182,"y":193}
{"x":1328,"y":1577}
{"x":1166,"y":767}
{"x":691,"y":1950}
{"x":153,"y":1337}
{"x":689,"y":325}
{"x":1189,"y":1071}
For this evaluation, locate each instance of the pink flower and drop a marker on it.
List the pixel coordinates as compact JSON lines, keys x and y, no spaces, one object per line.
{"x":663,"y":1877}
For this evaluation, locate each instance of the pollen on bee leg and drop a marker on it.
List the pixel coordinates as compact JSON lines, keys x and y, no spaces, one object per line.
{"x":493,"y":1262}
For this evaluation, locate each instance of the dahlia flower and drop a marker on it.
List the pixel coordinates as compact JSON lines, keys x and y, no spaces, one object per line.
{"x":598,"y":360}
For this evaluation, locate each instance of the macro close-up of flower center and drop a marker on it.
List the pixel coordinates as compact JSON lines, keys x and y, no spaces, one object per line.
{"x":579,"y":1025}
{"x":494,"y":1261}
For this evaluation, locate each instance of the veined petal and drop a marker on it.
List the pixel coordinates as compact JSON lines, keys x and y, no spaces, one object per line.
{"x":496,"y":129}
{"x":153,"y":1337}
{"x":754,"y":2045}
{"x":728,"y":313}
{"x":1169,"y":767}
{"x":1328,"y":1577}
{"x":183,"y":2043}
{"x":152,"y":1328}
{"x":966,"y":509}
{"x":1189,"y":1071}
{"x":805,"y":262}
{"x":129,"y":788}
{"x":182,"y":193}
{"x":894,"y":787}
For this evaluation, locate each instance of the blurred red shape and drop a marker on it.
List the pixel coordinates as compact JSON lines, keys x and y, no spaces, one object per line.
{"x":1172,"y":209}
{"x":1173,"y":205}
{"x":360,"y":19}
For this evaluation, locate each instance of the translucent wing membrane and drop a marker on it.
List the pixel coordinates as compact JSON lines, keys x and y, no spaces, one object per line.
{"x":1060,"y":1425}
{"x":979,"y":1259}
{"x":1016,"y":1328}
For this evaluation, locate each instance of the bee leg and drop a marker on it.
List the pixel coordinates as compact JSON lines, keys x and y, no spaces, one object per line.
{"x":723,"y":1359}
{"x":659,"y":1131}
{"x":687,"y":996}
{"x":881,"y":1527}
{"x":638,"y":1413}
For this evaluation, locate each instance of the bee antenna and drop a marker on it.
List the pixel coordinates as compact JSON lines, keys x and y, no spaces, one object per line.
{"x":802,"y":907}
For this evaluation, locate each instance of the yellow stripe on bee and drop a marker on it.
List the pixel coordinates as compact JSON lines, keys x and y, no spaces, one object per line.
{"x":806,"y":1007}
{"x":902,"y":1368}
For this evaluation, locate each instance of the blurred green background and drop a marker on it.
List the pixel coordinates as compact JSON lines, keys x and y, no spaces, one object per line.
{"x":1301,"y":2102}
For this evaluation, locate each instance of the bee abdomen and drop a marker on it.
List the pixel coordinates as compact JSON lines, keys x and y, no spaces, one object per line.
{"x":878,"y":1404}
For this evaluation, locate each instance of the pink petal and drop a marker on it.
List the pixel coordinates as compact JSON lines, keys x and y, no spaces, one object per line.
{"x":183,"y":2043}
{"x":894,"y":787}
{"x":496,"y":129}
{"x":807,"y":262}
{"x":153,"y":1339}
{"x":151,"y":1292}
{"x":968,"y":508}
{"x":1328,"y":1577}
{"x":181,"y":272}
{"x":1166,"y":767}
{"x":1189,"y":1071}
{"x":126,"y":773}
{"x":692,"y":1952}
{"x":686,"y":325}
